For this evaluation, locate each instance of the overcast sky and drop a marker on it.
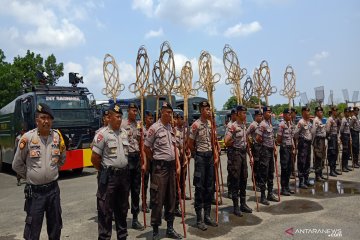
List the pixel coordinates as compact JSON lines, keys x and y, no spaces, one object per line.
{"x":319,"y":38}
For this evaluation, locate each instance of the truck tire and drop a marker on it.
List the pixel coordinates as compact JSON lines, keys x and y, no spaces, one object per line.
{"x":77,"y":171}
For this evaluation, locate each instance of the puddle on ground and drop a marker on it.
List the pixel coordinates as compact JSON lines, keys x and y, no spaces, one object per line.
{"x":295,"y":206}
{"x":330,"y":189}
{"x":227,"y":221}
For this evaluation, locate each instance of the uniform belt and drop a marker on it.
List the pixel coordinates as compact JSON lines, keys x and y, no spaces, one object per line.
{"x":305,"y":140}
{"x":115,"y":170}
{"x":44,"y":187}
{"x":269,"y":148}
{"x":134,"y":154}
{"x":286,"y":146}
{"x":204,"y":154}
{"x":237,"y":149}
{"x":164,"y":163}
{"x":320,"y":137}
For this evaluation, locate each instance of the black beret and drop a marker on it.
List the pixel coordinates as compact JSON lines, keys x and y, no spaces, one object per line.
{"x":356,"y":109}
{"x":233,"y":111}
{"x":258,"y":112}
{"x":204,"y":104}
{"x":166,"y":105}
{"x":105,"y":112}
{"x":241,"y":108}
{"x":293,"y":110}
{"x":181,"y":115}
{"x":318,"y":108}
{"x":114,"y":107}
{"x":148,"y":113}
{"x":43,"y":108}
{"x":351,"y":109}
{"x":348,"y":109}
{"x":286,"y":111}
{"x":305,"y":108}
{"x":266,"y":108}
{"x":132,"y":105}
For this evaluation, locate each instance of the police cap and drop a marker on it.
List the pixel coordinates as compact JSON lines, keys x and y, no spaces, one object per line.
{"x":348,"y":109}
{"x":45,"y":109}
{"x":166,"y":105}
{"x":293,"y":110}
{"x":267,"y":108}
{"x":148,"y":113}
{"x":105,"y":112}
{"x":240,"y":108}
{"x":318,"y":109}
{"x":286,"y":111}
{"x":333,"y":109}
{"x":356,"y":109}
{"x":233,"y":111}
{"x":132,"y":105}
{"x":114,"y":107}
{"x":258,"y":112}
{"x":204,"y":104}
{"x":305,"y":108}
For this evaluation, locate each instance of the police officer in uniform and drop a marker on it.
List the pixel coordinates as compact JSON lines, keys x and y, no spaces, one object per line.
{"x":149,"y":120}
{"x":132,"y":127}
{"x":39,"y":155}
{"x":293,"y":126}
{"x":345,"y":140}
{"x":265,"y":136}
{"x":110,"y":157}
{"x":236,"y":141}
{"x":285,"y":140}
{"x":255,"y":146}
{"x":331,"y":128}
{"x":200,"y":142}
{"x":319,"y":135}
{"x":354,"y":129}
{"x":303,"y":135}
{"x":228,"y":125}
{"x":160,"y":150}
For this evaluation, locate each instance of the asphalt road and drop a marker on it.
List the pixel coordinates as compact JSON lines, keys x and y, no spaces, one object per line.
{"x":329,"y":210}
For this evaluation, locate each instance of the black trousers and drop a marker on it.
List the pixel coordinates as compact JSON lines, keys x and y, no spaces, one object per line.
{"x":304,"y":156}
{"x":113,"y":197}
{"x":345,"y":140}
{"x":203,"y":180}
{"x":135,"y":181}
{"x":266,"y":169}
{"x":319,"y":154}
{"x":162,"y":191}
{"x":256,"y":149}
{"x":332,"y":151}
{"x":238,"y":172}
{"x":43,"y":200}
{"x":183,"y":173}
{"x":286,"y":165}
{"x":355,"y":145}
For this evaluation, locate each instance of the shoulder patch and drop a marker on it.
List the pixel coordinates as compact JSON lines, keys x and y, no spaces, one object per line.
{"x":99,"y":138}
{"x":22,"y":143}
{"x":151,"y":132}
{"x":194,"y":126}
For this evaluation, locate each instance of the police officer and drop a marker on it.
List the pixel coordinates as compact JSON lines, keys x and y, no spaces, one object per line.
{"x":303,"y":135}
{"x":331,"y":128}
{"x":354,"y":129}
{"x":265,"y":136}
{"x":236,"y":141}
{"x":255,"y":146}
{"x":149,"y":120}
{"x":285,"y":140}
{"x":38,"y":157}
{"x":110,"y":157}
{"x":200,"y":143}
{"x":132,"y":127}
{"x":228,"y":125}
{"x":160,"y":150}
{"x":293,"y":126}
{"x":345,"y":139}
{"x":319,"y":135}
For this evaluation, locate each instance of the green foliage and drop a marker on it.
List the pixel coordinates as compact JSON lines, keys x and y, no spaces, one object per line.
{"x":232,"y":103}
{"x":23,"y":72}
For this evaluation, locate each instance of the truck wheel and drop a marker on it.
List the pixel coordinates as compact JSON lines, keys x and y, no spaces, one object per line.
{"x":77,"y":171}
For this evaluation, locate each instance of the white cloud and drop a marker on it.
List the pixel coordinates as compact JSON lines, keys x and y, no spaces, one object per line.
{"x":154,"y":33}
{"x":193,"y":14}
{"x":243,"y":30}
{"x":44,"y":24}
{"x":316,"y":60}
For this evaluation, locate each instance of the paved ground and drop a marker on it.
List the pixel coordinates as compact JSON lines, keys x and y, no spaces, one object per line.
{"x":310,"y":214}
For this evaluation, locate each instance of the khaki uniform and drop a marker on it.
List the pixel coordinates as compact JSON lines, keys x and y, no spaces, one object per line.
{"x":345,"y":140}
{"x":355,"y":129}
{"x":304,"y":136}
{"x":286,"y":133}
{"x":319,"y":135}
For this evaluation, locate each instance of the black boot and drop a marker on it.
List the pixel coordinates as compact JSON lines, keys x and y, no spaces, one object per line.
{"x":170,"y":231}
{"x":136,"y":224}
{"x":307,"y":182}
{"x":302,"y":184}
{"x":199,"y":221}
{"x":290,"y":190}
{"x":243,"y":206}
{"x":318,"y":178}
{"x":332,"y":173}
{"x":263,"y":199}
{"x":336,"y":172}
{"x":156,"y":235}
{"x":208,"y":220}
{"x":285,"y":192}
{"x":344,"y":169}
{"x":237,"y":211}
{"x":272,"y":197}
{"x":322,"y":176}
{"x":177,"y":212}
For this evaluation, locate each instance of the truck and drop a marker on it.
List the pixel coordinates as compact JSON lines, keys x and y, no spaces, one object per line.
{"x":75,"y":118}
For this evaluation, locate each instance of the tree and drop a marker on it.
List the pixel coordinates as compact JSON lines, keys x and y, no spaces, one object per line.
{"x":230,"y":103}
{"x":23,"y":72}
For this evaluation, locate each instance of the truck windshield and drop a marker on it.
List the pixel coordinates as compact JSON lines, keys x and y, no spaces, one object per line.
{"x":64,"y":101}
